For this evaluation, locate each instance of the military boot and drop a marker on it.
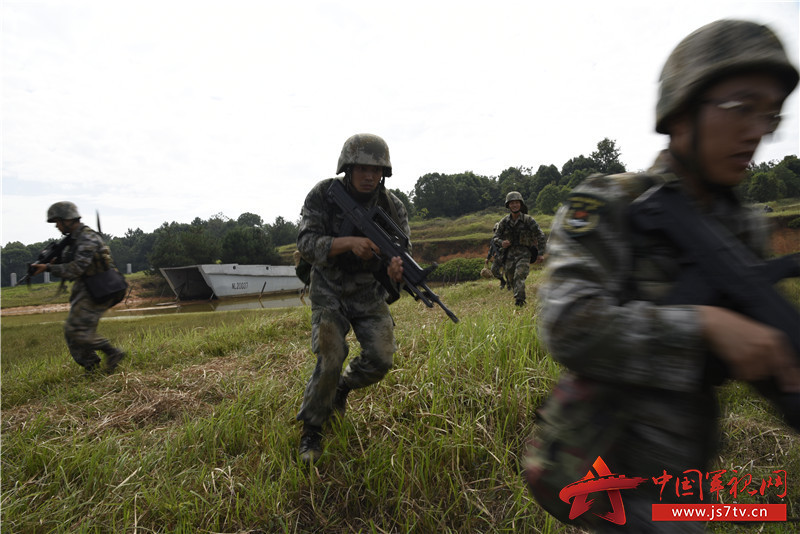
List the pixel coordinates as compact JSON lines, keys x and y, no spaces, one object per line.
{"x":91,"y":369}
{"x":310,"y":444}
{"x":89,"y":361}
{"x":113,"y":360}
{"x":502,"y":284}
{"x":340,"y":400}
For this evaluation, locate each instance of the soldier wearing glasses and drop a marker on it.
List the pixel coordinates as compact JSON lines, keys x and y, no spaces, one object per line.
{"x":637,"y":391}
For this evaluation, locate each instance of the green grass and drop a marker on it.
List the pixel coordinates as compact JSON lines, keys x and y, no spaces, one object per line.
{"x":41,"y":294}
{"x":473,"y":226}
{"x":35,"y":295}
{"x":783,"y":207}
{"x":196,"y":432}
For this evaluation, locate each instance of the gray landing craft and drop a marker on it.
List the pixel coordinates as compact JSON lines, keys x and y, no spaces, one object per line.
{"x":230,"y":280}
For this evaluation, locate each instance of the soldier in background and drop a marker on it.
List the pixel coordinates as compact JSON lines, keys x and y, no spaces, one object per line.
{"x":498,"y":258}
{"x":638,"y":391}
{"x":345,"y":291}
{"x":85,"y":255}
{"x":523,"y":241}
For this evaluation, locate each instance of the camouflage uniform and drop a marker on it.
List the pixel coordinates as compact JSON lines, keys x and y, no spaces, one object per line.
{"x":523,"y":233}
{"x":638,"y":390}
{"x":497,"y":255}
{"x":344,"y":293}
{"x":85,"y":255}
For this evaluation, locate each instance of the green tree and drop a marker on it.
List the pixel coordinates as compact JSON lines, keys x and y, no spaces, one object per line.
{"x":606,"y":157}
{"x":545,"y":175}
{"x":283,"y":232}
{"x":218,"y":225}
{"x":469,"y":190}
{"x":183,"y":244}
{"x":788,"y":172}
{"x":199,"y":246}
{"x":249,"y":245}
{"x":549,"y":173}
{"x":167,"y":249}
{"x":576,"y":178}
{"x":764,"y":187}
{"x":514,"y":179}
{"x":405,"y":200}
{"x":452,"y":195}
{"x":789,"y":181}
{"x":431,"y":192}
{"x":132,"y":249}
{"x":579,"y":163}
{"x":249,"y":219}
{"x":548,"y":199}
{"x":792,"y":163}
{"x":14,"y":258}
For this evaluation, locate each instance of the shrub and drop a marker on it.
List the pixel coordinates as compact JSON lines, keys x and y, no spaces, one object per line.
{"x":457,"y":270}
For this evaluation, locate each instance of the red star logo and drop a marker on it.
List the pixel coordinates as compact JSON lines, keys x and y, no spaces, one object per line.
{"x":599,"y":478}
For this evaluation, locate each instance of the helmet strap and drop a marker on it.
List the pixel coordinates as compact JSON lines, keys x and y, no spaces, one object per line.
{"x":692,"y":163}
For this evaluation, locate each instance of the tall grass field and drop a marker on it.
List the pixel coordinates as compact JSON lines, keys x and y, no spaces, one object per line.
{"x":196,"y":432}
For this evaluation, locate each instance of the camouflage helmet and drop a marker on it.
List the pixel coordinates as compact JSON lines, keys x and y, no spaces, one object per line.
{"x":365,"y":149}
{"x":62,"y":210}
{"x":515,"y":195}
{"x":715,"y":51}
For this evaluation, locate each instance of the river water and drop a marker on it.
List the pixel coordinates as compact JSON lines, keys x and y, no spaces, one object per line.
{"x":121,"y":311}
{"x":278,"y":301}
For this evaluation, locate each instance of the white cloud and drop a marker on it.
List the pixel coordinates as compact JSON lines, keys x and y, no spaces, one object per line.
{"x":153,"y":112}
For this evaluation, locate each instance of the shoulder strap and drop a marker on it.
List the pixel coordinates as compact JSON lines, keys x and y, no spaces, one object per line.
{"x":385,"y":201}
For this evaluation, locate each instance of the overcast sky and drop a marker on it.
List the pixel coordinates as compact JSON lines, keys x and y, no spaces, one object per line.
{"x":159,"y":111}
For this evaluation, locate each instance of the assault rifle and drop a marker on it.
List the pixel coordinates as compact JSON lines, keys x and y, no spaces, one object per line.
{"x":495,"y":251}
{"x":718,"y":270}
{"x":372,"y":224}
{"x":51,"y":252}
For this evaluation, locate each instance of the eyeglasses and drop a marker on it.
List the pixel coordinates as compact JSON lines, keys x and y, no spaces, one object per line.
{"x":747,"y":112}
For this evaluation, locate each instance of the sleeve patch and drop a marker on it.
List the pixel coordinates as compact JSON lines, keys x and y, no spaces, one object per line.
{"x":583,"y":213}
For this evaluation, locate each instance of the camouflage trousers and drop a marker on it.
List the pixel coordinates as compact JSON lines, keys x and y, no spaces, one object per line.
{"x":497,"y":269}
{"x":638,"y":432}
{"x":359,"y":303}
{"x":518,"y":265}
{"x":80,"y":328}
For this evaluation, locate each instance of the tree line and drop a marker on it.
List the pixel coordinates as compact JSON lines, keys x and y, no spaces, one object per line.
{"x":248,"y":240}
{"x":245,"y":240}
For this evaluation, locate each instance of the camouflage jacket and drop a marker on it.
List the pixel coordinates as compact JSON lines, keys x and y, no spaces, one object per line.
{"x":599,"y":317}
{"x":635,"y":389}
{"x":523,"y":233}
{"x":322,"y":220}
{"x":85,"y":255}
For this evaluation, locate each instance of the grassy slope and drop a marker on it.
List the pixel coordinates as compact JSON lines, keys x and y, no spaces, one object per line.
{"x":441,"y":238}
{"x":197,"y":431}
{"x":43,"y":294}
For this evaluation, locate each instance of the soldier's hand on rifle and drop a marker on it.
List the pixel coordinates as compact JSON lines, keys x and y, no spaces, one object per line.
{"x":506,"y":243}
{"x":395,"y":269}
{"x":752,"y":350}
{"x":38,"y":268}
{"x":362,"y":247}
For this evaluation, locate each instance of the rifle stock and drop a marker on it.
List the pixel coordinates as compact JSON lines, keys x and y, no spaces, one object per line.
{"x":722,"y":271}
{"x":391,"y":244}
